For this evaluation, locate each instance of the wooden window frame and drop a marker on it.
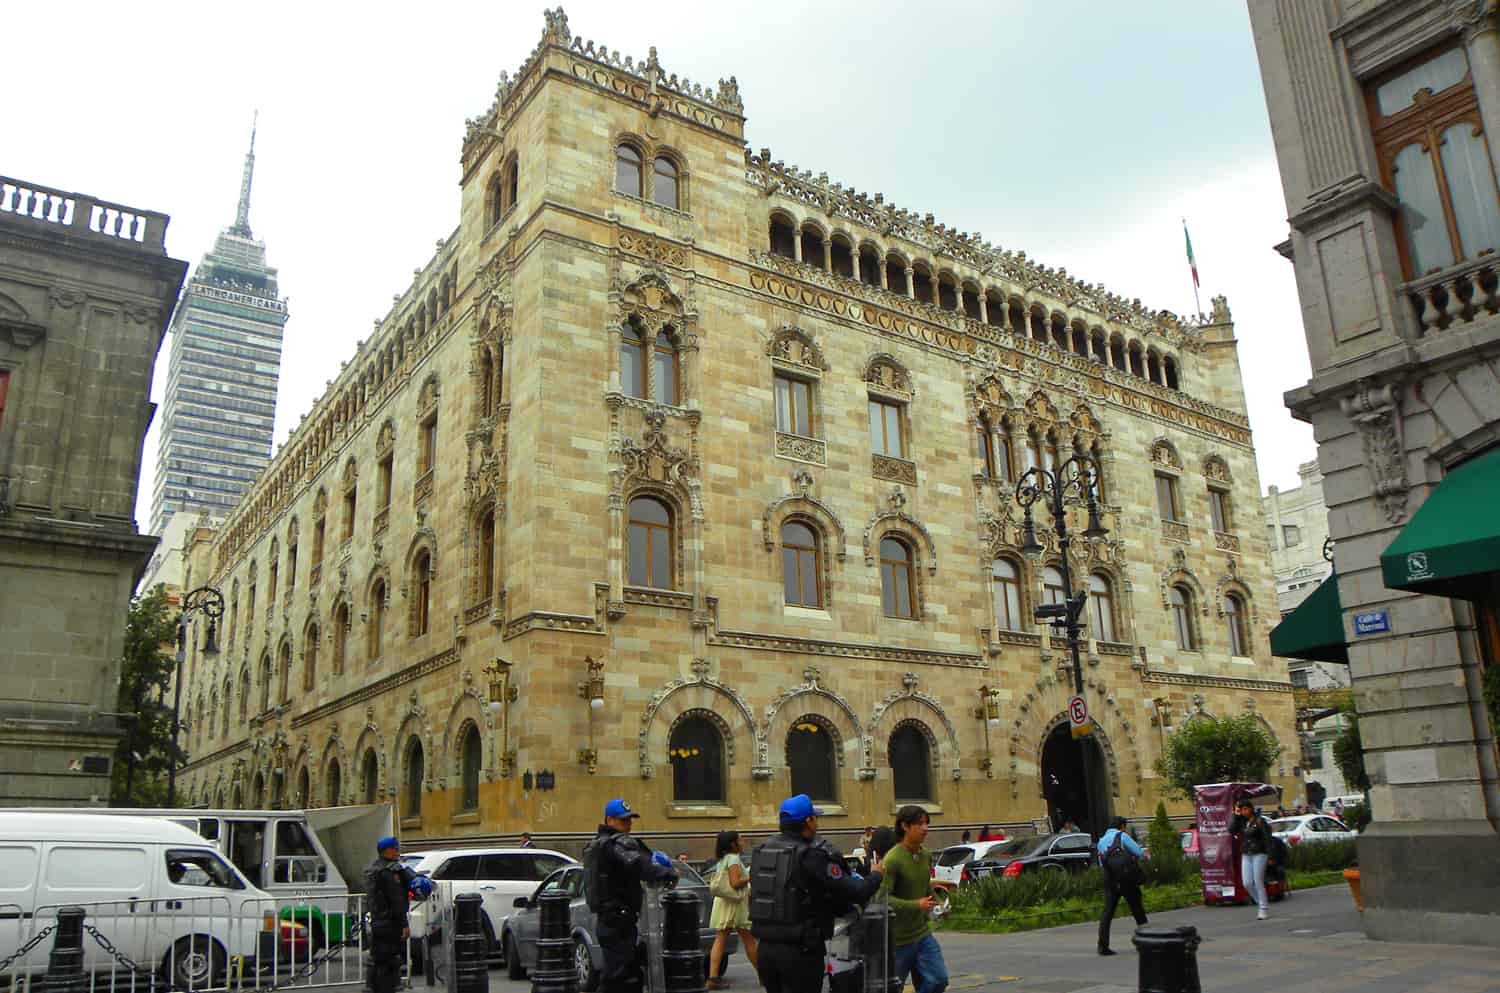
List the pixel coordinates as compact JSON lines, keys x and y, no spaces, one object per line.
{"x":676,"y":168}
{"x":1184,"y":631}
{"x":633,"y":338}
{"x":640,"y":170}
{"x":650,"y":529}
{"x":1220,"y":510}
{"x":1106,"y":616}
{"x":1238,"y":621}
{"x":486,"y":565}
{"x":1423,"y":122}
{"x":663,"y":343}
{"x":999,"y":585}
{"x":903,"y":445}
{"x":428,"y":452}
{"x":786,"y":416}
{"x":1173,"y":497}
{"x":799,"y":554}
{"x":903,"y":569}
{"x":422,"y":609}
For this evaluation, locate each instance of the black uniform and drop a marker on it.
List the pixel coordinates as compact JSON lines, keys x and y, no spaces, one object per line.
{"x":793,"y":917}
{"x":615,"y":866}
{"x":385,"y":891}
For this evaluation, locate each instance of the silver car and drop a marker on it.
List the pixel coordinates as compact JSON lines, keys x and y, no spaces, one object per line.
{"x":521,"y":929}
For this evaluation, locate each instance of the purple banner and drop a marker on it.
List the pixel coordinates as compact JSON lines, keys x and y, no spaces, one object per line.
{"x":1218,"y":850}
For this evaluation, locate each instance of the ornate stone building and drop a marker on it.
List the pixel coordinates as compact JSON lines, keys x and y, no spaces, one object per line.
{"x":1384,"y":116}
{"x":718,"y":457}
{"x":86,"y":288}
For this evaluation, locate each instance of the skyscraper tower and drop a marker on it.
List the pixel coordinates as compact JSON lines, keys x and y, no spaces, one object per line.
{"x":221,"y":382}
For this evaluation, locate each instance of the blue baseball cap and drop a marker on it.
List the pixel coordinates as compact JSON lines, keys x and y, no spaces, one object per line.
{"x":799,"y":808}
{"x":618,"y":808}
{"x":388,"y":841}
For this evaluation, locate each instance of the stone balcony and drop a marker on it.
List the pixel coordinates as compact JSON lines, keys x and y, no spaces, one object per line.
{"x":84,"y":216}
{"x":1458,"y":295}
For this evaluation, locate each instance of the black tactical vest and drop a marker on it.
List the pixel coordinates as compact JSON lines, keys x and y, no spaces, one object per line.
{"x":780,"y":904}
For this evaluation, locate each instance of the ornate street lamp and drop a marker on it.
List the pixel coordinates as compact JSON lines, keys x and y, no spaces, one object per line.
{"x":1074,"y":480}
{"x":592,"y":690}
{"x":209,"y":602}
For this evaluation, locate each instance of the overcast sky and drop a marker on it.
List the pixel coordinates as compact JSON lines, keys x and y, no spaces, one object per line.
{"x":1079,"y":132}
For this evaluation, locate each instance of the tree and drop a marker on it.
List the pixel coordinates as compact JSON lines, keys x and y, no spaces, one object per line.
{"x":1217,"y":750}
{"x":1349,"y":752}
{"x":145,"y":752}
{"x":1162,"y":837}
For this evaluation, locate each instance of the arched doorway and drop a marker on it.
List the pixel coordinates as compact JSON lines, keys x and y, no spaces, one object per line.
{"x":1063,"y":759}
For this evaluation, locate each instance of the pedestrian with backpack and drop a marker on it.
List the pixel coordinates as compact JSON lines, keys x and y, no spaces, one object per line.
{"x":1119,"y":856}
{"x":615,"y":865}
{"x":798,"y":885}
{"x":731,"y":890}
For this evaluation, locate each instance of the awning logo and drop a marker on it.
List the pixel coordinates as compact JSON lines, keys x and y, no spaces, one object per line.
{"x":1416,"y":566}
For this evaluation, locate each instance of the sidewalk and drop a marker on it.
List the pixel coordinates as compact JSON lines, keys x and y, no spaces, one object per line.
{"x":1311,"y":944}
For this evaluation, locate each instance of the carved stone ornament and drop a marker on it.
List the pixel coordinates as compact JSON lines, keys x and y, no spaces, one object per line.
{"x":653,"y":459}
{"x":793,"y":346}
{"x":1376,"y":413}
{"x":1163,"y":452}
{"x":702,"y":676}
{"x":1216,"y":469}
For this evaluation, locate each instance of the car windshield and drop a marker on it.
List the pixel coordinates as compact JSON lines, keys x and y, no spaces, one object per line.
{"x":1283,"y":827}
{"x":956,"y":855}
{"x":686,"y":874}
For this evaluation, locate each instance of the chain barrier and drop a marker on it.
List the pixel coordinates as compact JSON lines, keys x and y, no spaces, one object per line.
{"x":112,"y":951}
{"x":20,"y":953}
{"x":350,"y":941}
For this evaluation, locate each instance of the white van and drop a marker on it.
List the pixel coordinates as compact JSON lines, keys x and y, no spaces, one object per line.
{"x":162,"y":896}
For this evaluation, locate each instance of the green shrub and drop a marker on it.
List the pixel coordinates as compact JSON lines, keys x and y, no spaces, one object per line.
{"x":1162,"y":838}
{"x":1312,"y":856}
{"x":1356,"y":815}
{"x":1167,"y":869}
{"x":1034,"y":886}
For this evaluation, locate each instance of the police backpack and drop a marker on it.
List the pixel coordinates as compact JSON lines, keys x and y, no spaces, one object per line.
{"x":778,"y":893}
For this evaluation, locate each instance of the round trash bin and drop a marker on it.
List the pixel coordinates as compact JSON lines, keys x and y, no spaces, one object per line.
{"x":1169,"y":959}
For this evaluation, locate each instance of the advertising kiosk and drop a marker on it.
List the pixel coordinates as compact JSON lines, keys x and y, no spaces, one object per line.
{"x":1218,"y":849}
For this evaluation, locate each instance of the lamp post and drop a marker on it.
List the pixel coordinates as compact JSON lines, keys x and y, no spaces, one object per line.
{"x":209,"y":602}
{"x":1076,"y":479}
{"x":592,"y":690}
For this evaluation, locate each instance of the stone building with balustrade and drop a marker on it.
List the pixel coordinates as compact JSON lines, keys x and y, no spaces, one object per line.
{"x":717,"y":458}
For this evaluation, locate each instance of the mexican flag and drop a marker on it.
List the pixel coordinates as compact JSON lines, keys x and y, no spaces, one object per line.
{"x":1192,"y":262}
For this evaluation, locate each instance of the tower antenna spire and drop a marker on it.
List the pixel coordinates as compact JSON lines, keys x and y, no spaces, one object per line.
{"x":242,"y":216}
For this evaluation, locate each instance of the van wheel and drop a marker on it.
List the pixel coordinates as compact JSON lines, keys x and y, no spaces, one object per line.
{"x":513,"y":967}
{"x":194,"y":963}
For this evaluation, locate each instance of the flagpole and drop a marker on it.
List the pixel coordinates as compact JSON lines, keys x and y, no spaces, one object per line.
{"x":1193,"y":269}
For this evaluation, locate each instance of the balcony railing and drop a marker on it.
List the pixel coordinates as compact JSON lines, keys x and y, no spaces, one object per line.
{"x":1460,"y":294}
{"x":83,"y":215}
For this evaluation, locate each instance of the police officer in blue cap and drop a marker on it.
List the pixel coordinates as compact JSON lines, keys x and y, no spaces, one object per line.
{"x":615,"y":866}
{"x":798,"y":885}
{"x":387,"y":885}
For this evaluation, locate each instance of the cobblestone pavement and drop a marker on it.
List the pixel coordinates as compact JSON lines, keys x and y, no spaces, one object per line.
{"x":1311,"y":944}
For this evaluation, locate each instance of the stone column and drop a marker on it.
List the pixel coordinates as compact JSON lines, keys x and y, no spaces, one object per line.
{"x":1482,"y":42}
{"x":984,"y":308}
{"x":797,"y":245}
{"x":883,"y":272}
{"x":911,"y":286}
{"x":827,"y":254}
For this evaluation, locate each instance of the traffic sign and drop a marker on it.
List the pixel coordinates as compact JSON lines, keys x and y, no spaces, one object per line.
{"x":1078,"y":718}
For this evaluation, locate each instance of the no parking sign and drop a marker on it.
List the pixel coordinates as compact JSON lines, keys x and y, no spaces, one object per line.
{"x":1078,"y":718}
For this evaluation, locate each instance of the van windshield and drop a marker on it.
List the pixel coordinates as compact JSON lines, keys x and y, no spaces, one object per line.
{"x":191,"y":867}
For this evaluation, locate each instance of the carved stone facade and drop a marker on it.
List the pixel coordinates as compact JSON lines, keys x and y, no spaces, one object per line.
{"x":639,"y":365}
{"x":86,"y":289}
{"x":1404,"y":389}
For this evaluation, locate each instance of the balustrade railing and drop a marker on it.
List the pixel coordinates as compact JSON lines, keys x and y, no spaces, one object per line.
{"x":1460,"y":294}
{"x":83,"y":215}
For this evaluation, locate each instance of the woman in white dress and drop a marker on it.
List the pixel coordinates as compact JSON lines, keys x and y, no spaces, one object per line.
{"x":731,"y":889}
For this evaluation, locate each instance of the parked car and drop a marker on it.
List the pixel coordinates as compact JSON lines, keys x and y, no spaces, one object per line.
{"x":161,"y":894}
{"x":1068,"y":852}
{"x":1312,"y":828}
{"x":1335,"y":804}
{"x":951,"y":864}
{"x":498,"y":875}
{"x":521,"y":930}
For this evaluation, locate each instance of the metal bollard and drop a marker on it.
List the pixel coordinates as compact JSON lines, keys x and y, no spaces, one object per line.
{"x":554,"y":972}
{"x":682,"y":955}
{"x":469,"y":970}
{"x":874,"y":949}
{"x":1169,"y":959}
{"x":65,"y":964}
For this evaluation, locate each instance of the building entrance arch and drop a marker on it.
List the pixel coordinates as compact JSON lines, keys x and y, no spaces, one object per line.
{"x":1063,"y":759}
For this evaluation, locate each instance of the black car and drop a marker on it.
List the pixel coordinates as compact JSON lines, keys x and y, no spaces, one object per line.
{"x":520,"y":931}
{"x":1045,"y":853}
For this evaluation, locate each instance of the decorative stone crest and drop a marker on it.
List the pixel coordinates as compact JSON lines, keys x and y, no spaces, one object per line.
{"x":1216,"y":470}
{"x":1163,"y":452}
{"x":1376,"y":413}
{"x":793,"y":346}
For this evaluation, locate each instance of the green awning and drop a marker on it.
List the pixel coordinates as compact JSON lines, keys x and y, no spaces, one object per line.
{"x":1315,"y":630}
{"x":1453,"y":540}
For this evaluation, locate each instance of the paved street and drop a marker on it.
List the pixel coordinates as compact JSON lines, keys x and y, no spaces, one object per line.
{"x":1312,"y":944}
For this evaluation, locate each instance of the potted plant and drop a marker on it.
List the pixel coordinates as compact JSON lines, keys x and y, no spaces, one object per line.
{"x":1351,"y":876}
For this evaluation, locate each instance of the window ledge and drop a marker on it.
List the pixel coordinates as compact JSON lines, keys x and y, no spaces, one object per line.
{"x":412,"y":822}
{"x":653,"y":204}
{"x":806,"y":613}
{"x":465,"y":817}
{"x":700,"y":810}
{"x":927,"y":805}
{"x":831,"y":809}
{"x":1241,"y":660}
{"x":654,"y":597}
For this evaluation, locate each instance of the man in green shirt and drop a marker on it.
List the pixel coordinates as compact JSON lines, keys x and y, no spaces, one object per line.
{"x":909,"y":885}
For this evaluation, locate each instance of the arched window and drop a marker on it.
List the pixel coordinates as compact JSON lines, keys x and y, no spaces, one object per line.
{"x":813,"y":248}
{"x":1101,"y":608}
{"x":799,"y":565}
{"x":411,"y":794}
{"x":377,"y":619}
{"x":1238,"y":622}
{"x":486,"y":384}
{"x":895,"y":275}
{"x":284,"y":672}
{"x":628,"y":170}
{"x":335,"y":784}
{"x":841,"y":256}
{"x":1052,"y":585}
{"x":897,"y":585}
{"x":304,"y":785}
{"x":340,"y":638}
{"x":1153,"y":367}
{"x":664,"y":372}
{"x":473,"y":758}
{"x":1169,"y":367}
{"x":697,"y":753}
{"x":512,"y":183}
{"x":869,"y":266}
{"x":995,"y":442}
{"x":1117,"y":353}
{"x":811,"y":759}
{"x":486,"y":562}
{"x":783,"y":237}
{"x":1006,"y":579}
{"x":228,"y":704}
{"x":496,"y":197}
{"x":911,"y":763}
{"x":632,"y":361}
{"x":421,"y":580}
{"x":650,"y":541}
{"x":370,"y":776}
{"x":310,"y":658}
{"x":664,"y":182}
{"x":1137,"y":361}
{"x":1180,"y":599}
